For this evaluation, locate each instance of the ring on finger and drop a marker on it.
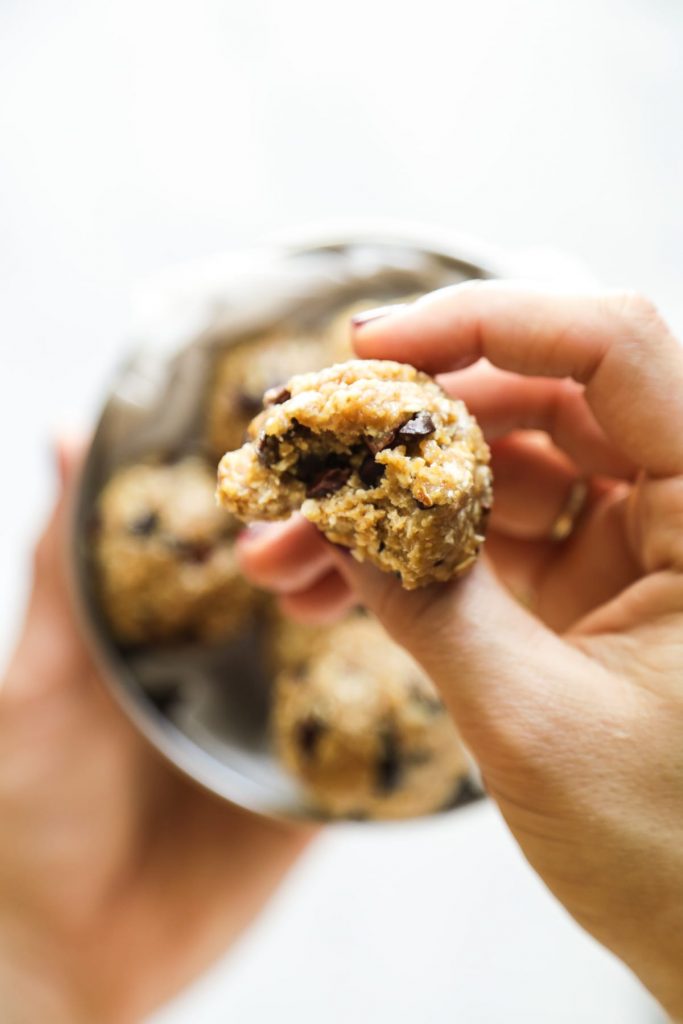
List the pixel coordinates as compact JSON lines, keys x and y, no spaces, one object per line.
{"x":570,"y":513}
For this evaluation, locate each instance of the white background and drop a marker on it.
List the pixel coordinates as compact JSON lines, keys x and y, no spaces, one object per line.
{"x":144,"y":133}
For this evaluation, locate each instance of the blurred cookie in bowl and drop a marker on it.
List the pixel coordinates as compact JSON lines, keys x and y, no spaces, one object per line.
{"x":357,"y":723}
{"x":164,"y":556}
{"x":246,"y":370}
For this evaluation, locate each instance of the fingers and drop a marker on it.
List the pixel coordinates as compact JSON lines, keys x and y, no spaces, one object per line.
{"x":503,"y":402}
{"x":284,"y":557}
{"x":294,"y":560}
{"x":614,"y":344}
{"x":595,"y":565}
{"x":506,"y":679}
{"x":532,"y":483}
{"x":325,"y":601}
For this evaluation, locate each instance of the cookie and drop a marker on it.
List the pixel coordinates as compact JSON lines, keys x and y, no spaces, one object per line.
{"x":164,"y":557}
{"x":379,"y":458}
{"x":360,"y":726}
{"x":245,"y":371}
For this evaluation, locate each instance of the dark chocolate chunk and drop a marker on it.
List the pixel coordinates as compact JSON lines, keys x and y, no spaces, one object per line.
{"x":298,"y":430}
{"x":328,"y":482}
{"x":276,"y":396}
{"x":267,"y":449}
{"x":371,"y":472}
{"x":310,"y":467}
{"x":378,"y":444}
{"x":247,"y":404}
{"x":196,"y":551}
{"x":389,"y":766}
{"x":418,"y":426}
{"x":145,"y":524}
{"x":308,"y":734}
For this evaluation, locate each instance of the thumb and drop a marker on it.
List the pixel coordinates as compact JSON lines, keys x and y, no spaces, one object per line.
{"x":507,"y":680}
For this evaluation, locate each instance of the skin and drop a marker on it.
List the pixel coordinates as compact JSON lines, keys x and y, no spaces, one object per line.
{"x":120,"y":881}
{"x":560,"y":662}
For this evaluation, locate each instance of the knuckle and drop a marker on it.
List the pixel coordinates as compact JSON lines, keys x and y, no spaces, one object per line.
{"x":635,"y":309}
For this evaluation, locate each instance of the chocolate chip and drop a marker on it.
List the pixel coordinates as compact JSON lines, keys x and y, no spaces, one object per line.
{"x":196,"y":551}
{"x":276,"y":396}
{"x":267,"y":449}
{"x":389,"y":765}
{"x":378,"y":444}
{"x":329,"y":482}
{"x":371,"y":472}
{"x":418,"y":426}
{"x":145,"y":524}
{"x":247,"y":404}
{"x":308,"y":734}
{"x":298,"y":430}
{"x":310,"y":467}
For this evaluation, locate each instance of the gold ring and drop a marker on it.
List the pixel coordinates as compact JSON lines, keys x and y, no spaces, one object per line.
{"x":570,"y":512}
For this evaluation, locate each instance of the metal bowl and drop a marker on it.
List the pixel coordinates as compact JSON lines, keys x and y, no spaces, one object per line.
{"x":178,"y":697}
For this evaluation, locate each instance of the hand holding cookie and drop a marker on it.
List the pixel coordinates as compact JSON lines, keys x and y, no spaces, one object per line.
{"x":559,"y":654}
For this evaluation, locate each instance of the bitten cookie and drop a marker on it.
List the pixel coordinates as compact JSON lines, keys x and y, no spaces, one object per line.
{"x":164,"y":556}
{"x":360,"y":726}
{"x":379,"y":458}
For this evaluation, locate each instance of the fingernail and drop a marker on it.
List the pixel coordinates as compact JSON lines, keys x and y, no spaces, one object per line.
{"x":360,"y":319}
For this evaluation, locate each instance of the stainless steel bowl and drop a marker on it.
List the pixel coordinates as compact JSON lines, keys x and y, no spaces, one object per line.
{"x":214,"y":732}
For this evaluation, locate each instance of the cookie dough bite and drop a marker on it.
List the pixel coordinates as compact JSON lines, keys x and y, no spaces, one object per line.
{"x":244,"y":371}
{"x":164,"y":557}
{"x":361,"y":727}
{"x":379,"y":458}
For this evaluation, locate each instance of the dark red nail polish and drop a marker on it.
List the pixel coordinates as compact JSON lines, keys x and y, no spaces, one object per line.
{"x":360,"y":319}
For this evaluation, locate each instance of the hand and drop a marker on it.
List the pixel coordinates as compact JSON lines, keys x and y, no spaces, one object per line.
{"x":119,"y":879}
{"x":572,"y":705}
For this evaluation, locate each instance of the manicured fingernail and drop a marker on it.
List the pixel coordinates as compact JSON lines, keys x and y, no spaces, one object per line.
{"x":360,"y":319}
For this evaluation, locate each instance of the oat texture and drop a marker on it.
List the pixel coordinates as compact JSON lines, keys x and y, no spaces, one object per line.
{"x":377,"y":456}
{"x":360,"y":726}
{"x":164,"y":556}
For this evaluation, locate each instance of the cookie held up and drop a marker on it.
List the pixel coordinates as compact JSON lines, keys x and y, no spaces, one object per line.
{"x":379,"y":458}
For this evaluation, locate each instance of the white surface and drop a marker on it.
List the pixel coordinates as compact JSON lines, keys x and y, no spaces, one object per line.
{"x":143,"y":133}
